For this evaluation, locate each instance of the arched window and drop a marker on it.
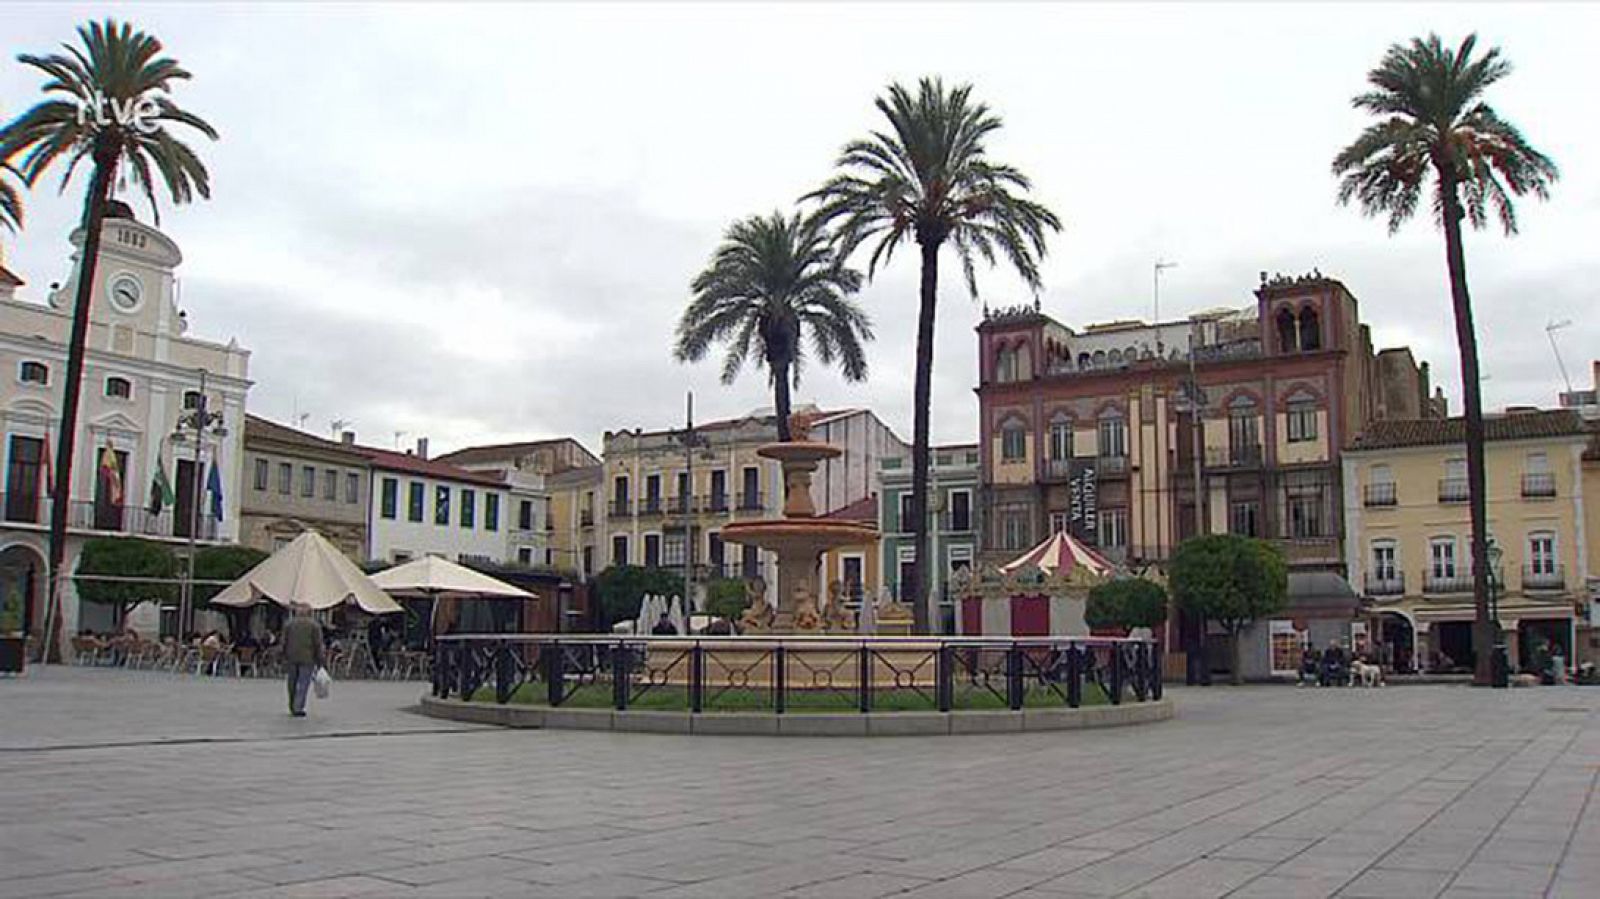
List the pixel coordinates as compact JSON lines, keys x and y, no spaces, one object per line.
{"x":34,"y":373}
{"x":1005,"y":365}
{"x":1130,"y":354}
{"x":119,"y":388}
{"x":1022,"y":363}
{"x":1310,"y":334}
{"x":1084,"y":361}
{"x":1114,"y":357}
{"x":1287,"y":342}
{"x":1013,"y":442}
{"x":1099,"y":358}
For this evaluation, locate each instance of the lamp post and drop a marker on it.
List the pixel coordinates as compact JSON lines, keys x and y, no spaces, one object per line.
{"x":198,"y":422}
{"x":1500,"y":667}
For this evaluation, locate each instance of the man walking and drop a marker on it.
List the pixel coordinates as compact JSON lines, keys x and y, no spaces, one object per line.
{"x":302,"y":654}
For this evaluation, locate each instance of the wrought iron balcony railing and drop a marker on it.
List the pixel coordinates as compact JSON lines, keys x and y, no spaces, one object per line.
{"x":1538,"y":485}
{"x":1380,"y":494}
{"x":1453,"y":490}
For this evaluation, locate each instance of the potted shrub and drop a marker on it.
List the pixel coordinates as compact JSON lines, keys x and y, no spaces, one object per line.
{"x":12,"y":654}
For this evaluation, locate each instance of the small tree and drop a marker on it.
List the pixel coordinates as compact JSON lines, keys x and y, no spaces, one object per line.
{"x":222,"y":563}
{"x":726,"y":598}
{"x":126,"y":557}
{"x":622,"y":587}
{"x":1126,"y":603}
{"x":1231,"y":580}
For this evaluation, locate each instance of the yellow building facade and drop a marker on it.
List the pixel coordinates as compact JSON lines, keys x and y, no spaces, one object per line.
{"x":1409,"y":538}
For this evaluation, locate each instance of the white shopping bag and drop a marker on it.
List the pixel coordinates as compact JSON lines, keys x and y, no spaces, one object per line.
{"x":321,"y":681}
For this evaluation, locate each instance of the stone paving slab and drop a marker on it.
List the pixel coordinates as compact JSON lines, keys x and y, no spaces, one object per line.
{"x":130,"y":784}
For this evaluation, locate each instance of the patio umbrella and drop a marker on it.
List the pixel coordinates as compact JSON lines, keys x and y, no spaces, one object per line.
{"x":1059,"y":554}
{"x":312,"y":571}
{"x":432,"y":577}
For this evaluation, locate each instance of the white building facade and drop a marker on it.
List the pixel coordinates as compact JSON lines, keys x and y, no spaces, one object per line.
{"x":421,"y":507}
{"x":142,"y":372}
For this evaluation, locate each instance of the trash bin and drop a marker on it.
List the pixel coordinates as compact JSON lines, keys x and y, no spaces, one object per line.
{"x":1500,"y":667}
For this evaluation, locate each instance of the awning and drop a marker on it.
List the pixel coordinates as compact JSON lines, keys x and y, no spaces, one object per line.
{"x":1059,"y":554}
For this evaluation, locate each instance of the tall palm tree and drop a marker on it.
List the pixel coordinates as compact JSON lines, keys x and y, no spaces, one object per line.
{"x":107,"y":101}
{"x":773,"y":280}
{"x":1435,"y":129}
{"x":10,"y":200}
{"x":929,"y":179}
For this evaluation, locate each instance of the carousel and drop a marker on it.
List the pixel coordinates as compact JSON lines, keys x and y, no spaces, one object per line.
{"x":1043,"y":592}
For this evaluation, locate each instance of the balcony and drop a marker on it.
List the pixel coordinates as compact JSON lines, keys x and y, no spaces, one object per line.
{"x":1309,"y":550}
{"x":682,"y":505}
{"x":1112,"y":466}
{"x":130,"y":520}
{"x":1538,"y":485}
{"x":1453,"y":490}
{"x":1240,"y":455}
{"x":1445,"y":584}
{"x":1380,"y":494}
{"x":1057,"y":469}
{"x":1544,"y":578}
{"x":752,"y":502}
{"x":716,"y":503}
{"x":1390,"y":583}
{"x":650,"y":505}
{"x":620,"y":508}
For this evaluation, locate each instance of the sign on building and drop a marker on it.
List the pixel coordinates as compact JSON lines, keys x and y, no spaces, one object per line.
{"x":1083,"y":510}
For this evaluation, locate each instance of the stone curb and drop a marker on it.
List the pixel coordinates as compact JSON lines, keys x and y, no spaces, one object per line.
{"x":853,"y":724}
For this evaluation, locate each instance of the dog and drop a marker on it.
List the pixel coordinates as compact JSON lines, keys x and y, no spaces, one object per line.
{"x":1366,"y":675}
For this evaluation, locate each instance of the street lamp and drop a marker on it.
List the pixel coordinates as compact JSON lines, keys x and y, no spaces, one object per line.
{"x":199,"y":422}
{"x":1500,"y":663}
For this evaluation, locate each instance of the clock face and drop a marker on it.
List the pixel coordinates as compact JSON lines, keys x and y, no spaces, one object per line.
{"x":126,"y":291}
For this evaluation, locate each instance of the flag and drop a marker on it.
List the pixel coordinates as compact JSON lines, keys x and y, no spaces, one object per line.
{"x":160,"y":488}
{"x":214,"y":487}
{"x":111,"y":475}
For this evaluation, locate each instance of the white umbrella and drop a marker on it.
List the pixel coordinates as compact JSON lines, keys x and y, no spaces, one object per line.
{"x":431,"y":577}
{"x":309,"y":570}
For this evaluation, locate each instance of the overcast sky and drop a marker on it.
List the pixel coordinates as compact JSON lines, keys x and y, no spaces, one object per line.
{"x":479,"y":223}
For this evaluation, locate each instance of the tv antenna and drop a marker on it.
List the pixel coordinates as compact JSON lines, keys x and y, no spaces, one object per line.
{"x":337,"y":425}
{"x":1550,"y":332}
{"x":1160,"y":267}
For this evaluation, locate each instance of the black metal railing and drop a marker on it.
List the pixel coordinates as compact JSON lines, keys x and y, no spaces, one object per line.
{"x":1544,"y":577}
{"x":1235,"y":455}
{"x":650,"y":505}
{"x":716,"y":502}
{"x":1539,"y":484}
{"x":1443,"y":584}
{"x":1112,"y":465}
{"x":796,"y":674}
{"x":586,"y":518}
{"x":620,"y":508}
{"x":751,"y":502}
{"x":1390,"y":583}
{"x":1058,"y":469}
{"x":1380,"y":493}
{"x":87,"y":515}
{"x":1453,"y":490}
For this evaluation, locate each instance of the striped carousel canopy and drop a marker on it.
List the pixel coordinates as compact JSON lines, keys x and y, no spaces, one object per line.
{"x":1060,"y":554}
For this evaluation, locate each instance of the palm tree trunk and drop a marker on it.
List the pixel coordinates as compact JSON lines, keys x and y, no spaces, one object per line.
{"x":1472,"y":403}
{"x":66,"y":437}
{"x":780,"y":399}
{"x":921,"y":565}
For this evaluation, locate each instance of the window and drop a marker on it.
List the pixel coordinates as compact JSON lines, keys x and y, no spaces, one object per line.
{"x":1060,"y":522}
{"x":1113,"y":528}
{"x":1305,"y":506}
{"x":352,"y":488}
{"x":588,"y":561}
{"x":673,"y":550}
{"x":1442,"y":557}
{"x":24,"y":477}
{"x":1005,"y":365}
{"x":1288,"y":341}
{"x":263,"y":474}
{"x":308,"y":481}
{"x":1310,"y":334}
{"x":1060,"y":440}
{"x":652,"y":550}
{"x":441,"y":504}
{"x":751,"y":497}
{"x":652,"y":493}
{"x":1380,"y":489}
{"x":119,"y":388}
{"x":414,"y":499}
{"x":1113,"y":434}
{"x":191,"y":399}
{"x":285,"y":478}
{"x":619,"y":549}
{"x":1244,"y":436}
{"x":1384,"y":568}
{"x":34,"y":373}
{"x":1013,"y":443}
{"x":907,"y":517}
{"x":491,"y":511}
{"x":1302,"y":422}
{"x":716,"y":553}
{"x":469,"y":508}
{"x":525,"y":557}
{"x":683,"y":492}
{"x":719,"y":491}
{"x":330,"y":485}
{"x":619,"y":493}
{"x":750,"y":561}
{"x":960,"y":510}
{"x":525,"y":515}
{"x":391,"y":498}
{"x":1244,"y":518}
{"x":1012,"y":526}
{"x":1542,"y":553}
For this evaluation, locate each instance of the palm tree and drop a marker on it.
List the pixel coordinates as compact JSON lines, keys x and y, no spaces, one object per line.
{"x":106,"y":101}
{"x":10,"y":200}
{"x":929,"y":179}
{"x":1432,"y":119}
{"x":771,"y":281}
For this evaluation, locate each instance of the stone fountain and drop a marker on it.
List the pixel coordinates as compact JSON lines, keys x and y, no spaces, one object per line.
{"x":799,"y":539}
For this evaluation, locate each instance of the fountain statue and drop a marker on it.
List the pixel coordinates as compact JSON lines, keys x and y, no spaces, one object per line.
{"x":798,"y":539}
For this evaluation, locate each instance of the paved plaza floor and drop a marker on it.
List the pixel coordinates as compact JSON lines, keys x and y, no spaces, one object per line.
{"x":139,"y":784}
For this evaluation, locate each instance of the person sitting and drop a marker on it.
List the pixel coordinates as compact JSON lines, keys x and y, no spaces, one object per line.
{"x":1308,"y":668}
{"x":1334,"y":665}
{"x":664,"y":627}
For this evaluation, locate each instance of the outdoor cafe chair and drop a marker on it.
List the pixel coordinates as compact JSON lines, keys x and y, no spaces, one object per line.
{"x":245,"y":657}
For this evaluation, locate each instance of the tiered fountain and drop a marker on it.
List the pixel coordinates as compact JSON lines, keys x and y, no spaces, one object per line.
{"x":799,"y":539}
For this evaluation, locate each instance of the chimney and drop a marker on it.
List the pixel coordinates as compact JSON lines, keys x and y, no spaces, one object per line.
{"x":422,"y":448}
{"x":348,"y":438}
